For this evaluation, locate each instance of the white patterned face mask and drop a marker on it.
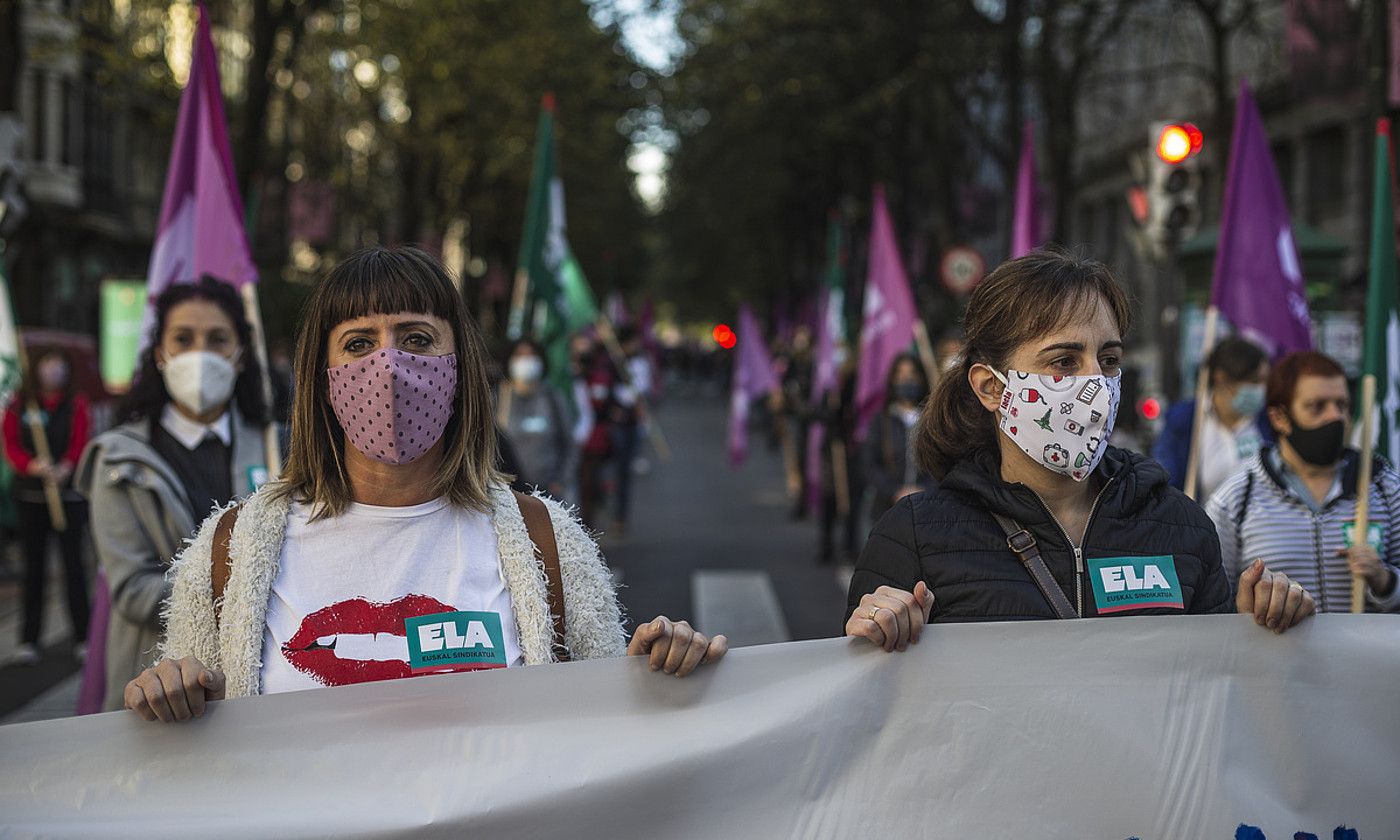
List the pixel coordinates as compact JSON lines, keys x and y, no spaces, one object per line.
{"x":1062,"y":422}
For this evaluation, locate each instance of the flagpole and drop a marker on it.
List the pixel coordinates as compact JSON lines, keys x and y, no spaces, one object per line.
{"x":1363,"y":485}
{"x":926,"y":356}
{"x":1198,"y":421}
{"x":272,"y":449}
{"x":515,"y":322}
{"x":41,"y":440}
{"x":609,"y":337}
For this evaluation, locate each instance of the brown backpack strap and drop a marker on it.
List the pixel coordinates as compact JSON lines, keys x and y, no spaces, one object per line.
{"x":218,"y":573}
{"x":541,"y":532}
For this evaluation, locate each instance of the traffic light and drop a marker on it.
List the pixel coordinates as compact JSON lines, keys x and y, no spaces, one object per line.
{"x":1172,"y":175}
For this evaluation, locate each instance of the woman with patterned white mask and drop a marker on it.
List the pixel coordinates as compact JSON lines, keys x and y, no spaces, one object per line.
{"x":1035,"y":515}
{"x":190,"y":439}
{"x":391,"y":546}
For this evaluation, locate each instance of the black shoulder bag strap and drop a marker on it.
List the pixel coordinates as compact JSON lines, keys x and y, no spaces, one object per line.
{"x":1020,"y":541}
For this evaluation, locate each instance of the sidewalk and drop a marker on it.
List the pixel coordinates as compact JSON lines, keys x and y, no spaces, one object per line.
{"x":27,"y":690}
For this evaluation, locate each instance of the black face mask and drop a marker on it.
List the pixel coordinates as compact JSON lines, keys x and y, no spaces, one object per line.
{"x":910,"y":392}
{"x":1320,"y":447}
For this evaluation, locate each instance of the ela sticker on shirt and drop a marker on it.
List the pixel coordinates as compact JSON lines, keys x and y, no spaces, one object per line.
{"x":1134,"y":583}
{"x":450,"y":641}
{"x":1375,"y":535}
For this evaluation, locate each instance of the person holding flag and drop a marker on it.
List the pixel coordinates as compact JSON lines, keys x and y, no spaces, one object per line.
{"x":195,"y":428}
{"x":1300,"y":506}
{"x":1035,"y":515}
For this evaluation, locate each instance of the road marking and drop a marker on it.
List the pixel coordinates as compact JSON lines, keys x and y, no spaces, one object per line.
{"x":740,"y":604}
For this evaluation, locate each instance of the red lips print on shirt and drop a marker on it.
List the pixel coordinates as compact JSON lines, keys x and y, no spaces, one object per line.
{"x":357,"y":640}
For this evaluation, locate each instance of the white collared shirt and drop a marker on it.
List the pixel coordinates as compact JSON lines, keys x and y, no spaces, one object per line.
{"x":191,"y":434}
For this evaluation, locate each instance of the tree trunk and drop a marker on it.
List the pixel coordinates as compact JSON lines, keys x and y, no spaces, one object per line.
{"x":258,"y":86}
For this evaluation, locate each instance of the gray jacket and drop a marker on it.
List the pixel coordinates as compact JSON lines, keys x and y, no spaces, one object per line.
{"x":140,"y":519}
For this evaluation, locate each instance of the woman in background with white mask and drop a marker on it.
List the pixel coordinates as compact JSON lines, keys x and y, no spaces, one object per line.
{"x":190,"y":440}
{"x":1035,"y":516}
{"x":532,"y":414}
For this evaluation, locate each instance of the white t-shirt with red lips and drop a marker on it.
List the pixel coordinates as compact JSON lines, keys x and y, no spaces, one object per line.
{"x":347,"y":587}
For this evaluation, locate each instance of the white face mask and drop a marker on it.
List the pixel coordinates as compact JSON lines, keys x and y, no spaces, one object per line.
{"x":1062,"y":422}
{"x":526,"y":368}
{"x":199,"y":380}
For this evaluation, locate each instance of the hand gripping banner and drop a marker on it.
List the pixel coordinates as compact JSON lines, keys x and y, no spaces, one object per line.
{"x":1151,"y":728}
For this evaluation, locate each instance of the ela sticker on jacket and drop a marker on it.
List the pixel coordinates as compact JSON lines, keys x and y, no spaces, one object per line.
{"x":1134,"y":583}
{"x":1375,"y":535}
{"x":452,"y":640}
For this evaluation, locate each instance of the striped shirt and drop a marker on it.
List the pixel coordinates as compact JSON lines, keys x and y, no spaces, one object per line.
{"x":1259,"y":515}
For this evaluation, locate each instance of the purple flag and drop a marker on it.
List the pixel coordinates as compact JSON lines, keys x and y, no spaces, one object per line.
{"x":889,"y":313}
{"x":823,"y":380}
{"x":201,"y":215}
{"x":1258,"y":282}
{"x":93,"y":687}
{"x":1025,"y":224}
{"x":753,"y":377}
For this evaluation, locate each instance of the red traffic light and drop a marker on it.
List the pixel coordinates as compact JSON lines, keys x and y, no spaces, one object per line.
{"x":1179,"y":141}
{"x":724,"y":336}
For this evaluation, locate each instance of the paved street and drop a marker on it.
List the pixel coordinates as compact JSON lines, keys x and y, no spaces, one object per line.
{"x":714,"y":545}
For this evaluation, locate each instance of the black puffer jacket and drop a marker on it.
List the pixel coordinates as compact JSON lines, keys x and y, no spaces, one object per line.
{"x":947,"y":538}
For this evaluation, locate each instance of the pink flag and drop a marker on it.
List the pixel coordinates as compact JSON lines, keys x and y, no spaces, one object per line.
{"x":753,"y":378}
{"x":201,"y":216}
{"x":823,"y":380}
{"x":1025,"y":224}
{"x":889,"y":315}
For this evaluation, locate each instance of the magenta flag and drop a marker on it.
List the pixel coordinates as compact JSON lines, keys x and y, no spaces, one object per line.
{"x":1258,"y":283}
{"x":93,"y":686}
{"x":1025,"y":223}
{"x":753,"y":378}
{"x":201,"y":215}
{"x":887,"y":327}
{"x":823,"y":380}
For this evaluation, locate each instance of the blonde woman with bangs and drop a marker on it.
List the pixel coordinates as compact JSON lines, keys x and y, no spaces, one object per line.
{"x":391,"y":546}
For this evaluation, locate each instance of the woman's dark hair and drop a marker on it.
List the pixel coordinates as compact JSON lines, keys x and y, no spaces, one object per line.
{"x":147,"y":397}
{"x":386,"y":281}
{"x":534,"y":347}
{"x":1238,"y":358}
{"x":29,"y":381}
{"x":1283,"y":379}
{"x":1020,"y":301}
{"x":903,"y":359}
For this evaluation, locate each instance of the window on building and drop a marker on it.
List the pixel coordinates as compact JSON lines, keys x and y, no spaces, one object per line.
{"x":38,"y":117}
{"x":1327,"y":166}
{"x":68,"y":125}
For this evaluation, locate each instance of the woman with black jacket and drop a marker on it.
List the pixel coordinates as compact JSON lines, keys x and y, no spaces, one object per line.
{"x":1035,"y":516}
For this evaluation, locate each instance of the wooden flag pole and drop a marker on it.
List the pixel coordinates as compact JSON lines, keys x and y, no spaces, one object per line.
{"x":840,"y":477}
{"x":654,"y":433}
{"x":926,"y":355}
{"x":272,"y":449}
{"x":41,"y":440}
{"x":515,"y":320}
{"x":1193,"y":457}
{"x":1363,"y":484}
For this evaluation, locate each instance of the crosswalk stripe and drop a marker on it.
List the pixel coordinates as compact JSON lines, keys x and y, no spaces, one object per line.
{"x":741,"y":604}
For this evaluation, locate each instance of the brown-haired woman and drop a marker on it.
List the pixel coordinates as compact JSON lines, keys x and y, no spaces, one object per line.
{"x":1035,"y":515}
{"x":391,"y":546}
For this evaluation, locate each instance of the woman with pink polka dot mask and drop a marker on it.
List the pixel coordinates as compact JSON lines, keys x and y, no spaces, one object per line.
{"x":392,"y":546}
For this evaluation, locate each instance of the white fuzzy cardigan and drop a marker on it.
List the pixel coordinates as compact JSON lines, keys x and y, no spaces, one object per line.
{"x":593,"y":617}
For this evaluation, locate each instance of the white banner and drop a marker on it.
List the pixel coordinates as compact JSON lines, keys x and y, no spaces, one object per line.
{"x":1151,"y":728}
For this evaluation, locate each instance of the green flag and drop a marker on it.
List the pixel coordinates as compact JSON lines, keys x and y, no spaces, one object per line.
{"x":835,"y":276}
{"x":559,"y":301}
{"x":9,"y":340}
{"x":1382,"y":355}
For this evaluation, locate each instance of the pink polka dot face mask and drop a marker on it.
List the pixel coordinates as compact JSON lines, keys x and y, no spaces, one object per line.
{"x":394,"y":405}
